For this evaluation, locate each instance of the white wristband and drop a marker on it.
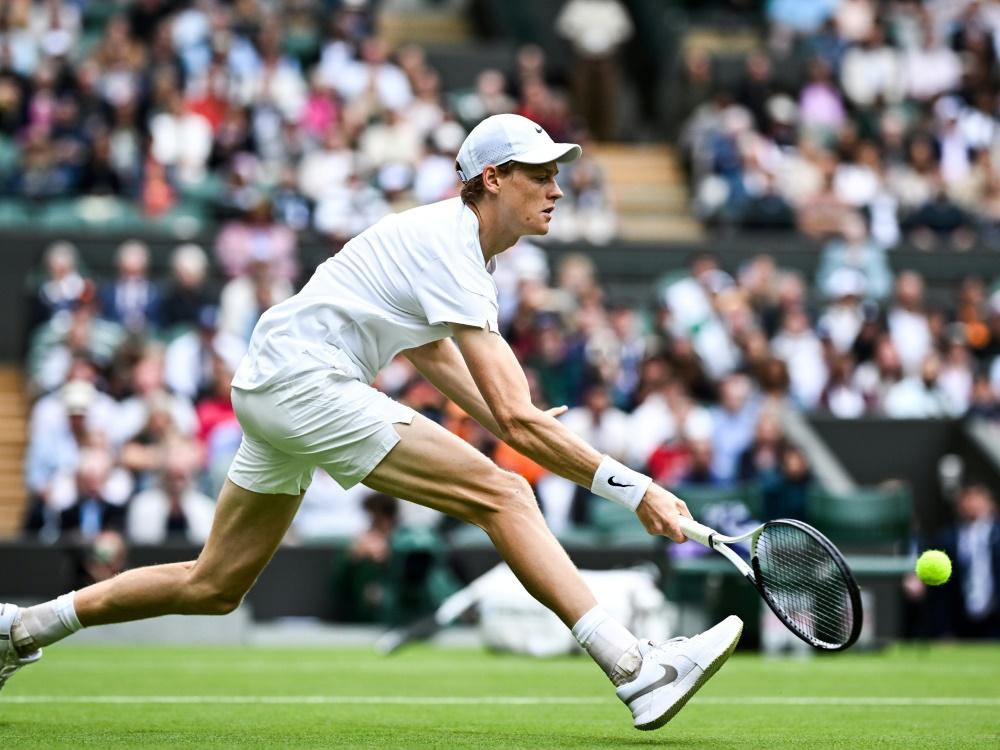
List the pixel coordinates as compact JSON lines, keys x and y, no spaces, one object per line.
{"x":618,"y":483}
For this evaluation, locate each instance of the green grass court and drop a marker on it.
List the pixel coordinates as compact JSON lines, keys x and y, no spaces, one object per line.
{"x":936,"y":697}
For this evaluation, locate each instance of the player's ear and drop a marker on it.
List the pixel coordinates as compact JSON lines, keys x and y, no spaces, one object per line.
{"x":491,"y":179}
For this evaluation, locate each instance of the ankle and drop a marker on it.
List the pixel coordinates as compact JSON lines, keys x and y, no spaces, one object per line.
{"x":24,"y":644}
{"x":627,"y":667}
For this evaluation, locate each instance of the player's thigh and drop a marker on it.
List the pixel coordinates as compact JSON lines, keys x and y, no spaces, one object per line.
{"x":434,"y":467}
{"x":246,"y":530}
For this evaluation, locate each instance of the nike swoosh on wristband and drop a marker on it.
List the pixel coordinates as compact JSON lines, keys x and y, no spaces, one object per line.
{"x":613,"y":483}
{"x":668,"y":676}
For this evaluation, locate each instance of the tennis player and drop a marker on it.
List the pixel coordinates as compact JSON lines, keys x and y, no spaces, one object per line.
{"x":418,"y":283}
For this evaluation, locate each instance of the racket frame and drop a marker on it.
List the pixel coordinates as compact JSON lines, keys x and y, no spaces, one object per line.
{"x":712,"y":539}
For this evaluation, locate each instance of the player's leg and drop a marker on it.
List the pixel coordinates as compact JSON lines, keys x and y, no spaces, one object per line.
{"x":433,"y":467}
{"x":247,"y":529}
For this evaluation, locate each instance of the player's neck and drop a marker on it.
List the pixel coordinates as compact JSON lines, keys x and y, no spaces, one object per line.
{"x":494,"y":237}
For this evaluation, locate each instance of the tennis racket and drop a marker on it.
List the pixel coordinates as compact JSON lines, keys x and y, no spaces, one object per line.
{"x":799,"y":573}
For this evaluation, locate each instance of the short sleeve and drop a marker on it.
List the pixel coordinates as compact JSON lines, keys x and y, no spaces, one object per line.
{"x":444,"y":297}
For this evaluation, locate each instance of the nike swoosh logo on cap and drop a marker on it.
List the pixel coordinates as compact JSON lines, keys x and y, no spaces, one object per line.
{"x":668,"y":676}
{"x":538,"y":129}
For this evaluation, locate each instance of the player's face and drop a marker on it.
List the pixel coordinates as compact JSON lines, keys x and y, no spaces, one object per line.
{"x":531,"y":197}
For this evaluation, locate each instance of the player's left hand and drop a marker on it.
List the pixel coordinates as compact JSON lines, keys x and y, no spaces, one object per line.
{"x":557,"y":411}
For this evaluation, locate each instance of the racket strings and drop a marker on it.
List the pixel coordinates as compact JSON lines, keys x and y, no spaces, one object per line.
{"x":805,"y":584}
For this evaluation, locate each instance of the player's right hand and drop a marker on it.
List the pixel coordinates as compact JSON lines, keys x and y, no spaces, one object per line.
{"x":659,"y":510}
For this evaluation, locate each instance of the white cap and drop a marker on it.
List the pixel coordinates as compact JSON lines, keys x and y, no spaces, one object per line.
{"x":78,"y":395}
{"x":503,"y":138}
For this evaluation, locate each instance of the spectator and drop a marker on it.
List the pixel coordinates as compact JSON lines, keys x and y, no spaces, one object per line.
{"x":181,"y":139}
{"x":328,"y":169}
{"x":872,"y":277}
{"x":372,"y":84}
{"x":147,"y":386}
{"x":733,"y":422}
{"x":596,"y":29}
{"x":984,"y":402}
{"x":256,"y":235}
{"x":907,"y":322}
{"x":361,"y":576}
{"x":559,"y":363}
{"x":875,"y":377}
{"x":105,"y":557}
{"x":435,"y":178}
{"x":245,"y":298}
{"x":188,"y":361}
{"x":764,"y":454}
{"x":872,"y":71}
{"x":92,"y":505}
{"x":61,"y":425}
{"x":598,"y":422}
{"x":969,"y":605}
{"x":919,"y":396}
{"x":785,"y":487}
{"x":63,"y":285}
{"x":798,"y":346}
{"x":821,"y":110}
{"x":700,"y":471}
{"x":187,"y":290}
{"x":488,"y":98}
{"x":55,"y":344}
{"x":930,"y":68}
{"x":842,"y":397}
{"x":843,"y":318}
{"x":132,"y":300}
{"x":147,"y":452}
{"x":172,"y":509}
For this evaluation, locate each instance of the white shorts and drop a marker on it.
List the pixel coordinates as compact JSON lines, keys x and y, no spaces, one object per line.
{"x":314,"y":419}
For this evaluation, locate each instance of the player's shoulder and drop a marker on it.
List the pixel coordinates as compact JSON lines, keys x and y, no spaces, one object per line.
{"x":443,"y":230}
{"x":440,"y":217}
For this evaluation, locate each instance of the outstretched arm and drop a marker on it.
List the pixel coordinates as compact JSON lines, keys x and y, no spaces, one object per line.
{"x":498,"y":376}
{"x":443,"y":366}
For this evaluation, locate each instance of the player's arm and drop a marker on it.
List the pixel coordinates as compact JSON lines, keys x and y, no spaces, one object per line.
{"x":500,"y":380}
{"x":443,"y":366}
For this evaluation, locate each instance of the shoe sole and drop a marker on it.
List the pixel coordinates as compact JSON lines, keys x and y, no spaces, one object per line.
{"x":704,"y":677}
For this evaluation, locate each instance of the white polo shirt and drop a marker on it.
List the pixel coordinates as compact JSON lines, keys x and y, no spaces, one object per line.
{"x":395,"y":286}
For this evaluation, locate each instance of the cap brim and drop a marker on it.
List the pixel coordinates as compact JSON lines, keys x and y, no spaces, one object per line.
{"x":558,"y":152}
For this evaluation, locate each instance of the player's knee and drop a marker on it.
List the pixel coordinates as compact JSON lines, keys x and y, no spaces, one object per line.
{"x":513,"y":498}
{"x":208,"y":597}
{"x":521,"y":498}
{"x":222,"y":601}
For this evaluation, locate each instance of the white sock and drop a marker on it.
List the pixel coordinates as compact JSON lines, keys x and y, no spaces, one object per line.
{"x":609,"y":643}
{"x":45,"y":623}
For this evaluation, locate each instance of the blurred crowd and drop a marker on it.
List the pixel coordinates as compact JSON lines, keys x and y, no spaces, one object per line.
{"x":883,"y":109}
{"x":283,"y":131}
{"x":294,"y":112}
{"x":132,"y":423}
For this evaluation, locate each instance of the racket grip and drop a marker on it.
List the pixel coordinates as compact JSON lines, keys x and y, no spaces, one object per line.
{"x":696,"y":532}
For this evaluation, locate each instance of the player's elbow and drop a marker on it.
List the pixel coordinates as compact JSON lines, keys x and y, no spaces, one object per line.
{"x":516,"y":426}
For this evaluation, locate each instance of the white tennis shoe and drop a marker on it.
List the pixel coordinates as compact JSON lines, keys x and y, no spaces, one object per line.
{"x":10,"y":660}
{"x":671,"y":672}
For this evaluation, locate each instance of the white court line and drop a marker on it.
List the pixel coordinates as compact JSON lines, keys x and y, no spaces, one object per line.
{"x":403,"y":700}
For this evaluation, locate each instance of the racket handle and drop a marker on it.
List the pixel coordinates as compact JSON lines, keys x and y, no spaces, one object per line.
{"x":696,"y":532}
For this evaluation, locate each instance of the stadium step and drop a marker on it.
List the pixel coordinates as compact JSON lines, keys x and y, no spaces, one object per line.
{"x":406,"y":22}
{"x":646,"y":186}
{"x":13,"y":439}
